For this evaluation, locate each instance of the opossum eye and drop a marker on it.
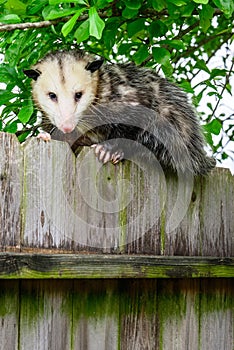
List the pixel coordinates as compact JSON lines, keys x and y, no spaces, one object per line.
{"x":78,"y":96}
{"x":53,"y":96}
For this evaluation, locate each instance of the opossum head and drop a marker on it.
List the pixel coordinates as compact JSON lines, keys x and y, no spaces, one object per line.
{"x":64,"y":86}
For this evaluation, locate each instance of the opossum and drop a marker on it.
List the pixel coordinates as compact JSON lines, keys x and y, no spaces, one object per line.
{"x":109,"y":104}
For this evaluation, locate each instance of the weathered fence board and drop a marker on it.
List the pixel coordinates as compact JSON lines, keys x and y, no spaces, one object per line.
{"x":220,"y":294}
{"x":46,"y":215}
{"x":148,"y":247}
{"x":11,"y":171}
{"x":118,"y":314}
{"x":42,"y":322}
{"x":69,"y":266}
{"x":52,"y":200}
{"x":9,"y":314}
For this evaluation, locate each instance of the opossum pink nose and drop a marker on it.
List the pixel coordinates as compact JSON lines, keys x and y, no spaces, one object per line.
{"x":66,"y":128}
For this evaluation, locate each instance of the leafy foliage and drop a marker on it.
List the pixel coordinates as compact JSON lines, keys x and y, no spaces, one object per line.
{"x":177,"y":37}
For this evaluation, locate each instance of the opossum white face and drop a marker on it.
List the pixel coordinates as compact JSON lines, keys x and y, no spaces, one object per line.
{"x":64,"y":87}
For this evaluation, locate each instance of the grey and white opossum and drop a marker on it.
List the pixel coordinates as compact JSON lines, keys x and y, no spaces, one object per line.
{"x":111,"y":103}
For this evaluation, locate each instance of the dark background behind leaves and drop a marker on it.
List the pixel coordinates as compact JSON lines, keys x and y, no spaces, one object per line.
{"x":178,"y":38}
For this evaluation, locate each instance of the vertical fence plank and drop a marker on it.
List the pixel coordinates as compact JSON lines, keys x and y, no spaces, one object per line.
{"x":118,"y":205}
{"x":183,"y":236}
{"x":43,"y":322}
{"x":217,"y":314}
{"x":11,"y":170}
{"x":95,"y":310}
{"x":178,"y":310}
{"x":216,"y":214}
{"x":9,"y":315}
{"x":47,"y":185}
{"x":138,"y":315}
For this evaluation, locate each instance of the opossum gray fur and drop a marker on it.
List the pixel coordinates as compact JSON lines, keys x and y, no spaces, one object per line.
{"x":110,"y":103}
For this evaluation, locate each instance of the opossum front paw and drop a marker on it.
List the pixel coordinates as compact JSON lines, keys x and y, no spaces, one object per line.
{"x":105,"y":152}
{"x":45,"y":136}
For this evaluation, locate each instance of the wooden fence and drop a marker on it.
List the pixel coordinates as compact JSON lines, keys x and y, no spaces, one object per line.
{"x":112,"y":257}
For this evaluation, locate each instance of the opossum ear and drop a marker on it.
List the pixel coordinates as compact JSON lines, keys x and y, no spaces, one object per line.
{"x":32,"y":73}
{"x":95,"y":65}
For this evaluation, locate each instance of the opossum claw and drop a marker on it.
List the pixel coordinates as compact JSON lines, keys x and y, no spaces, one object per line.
{"x":106,"y":152}
{"x":45,"y":136}
{"x":117,"y":157}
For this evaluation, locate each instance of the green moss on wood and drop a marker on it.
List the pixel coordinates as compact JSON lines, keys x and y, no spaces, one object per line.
{"x":65,"y":266}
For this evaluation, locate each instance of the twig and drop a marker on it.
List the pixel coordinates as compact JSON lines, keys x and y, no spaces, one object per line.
{"x":201,"y":43}
{"x":186,"y":30}
{"x":207,"y":61}
{"x":223,"y":89}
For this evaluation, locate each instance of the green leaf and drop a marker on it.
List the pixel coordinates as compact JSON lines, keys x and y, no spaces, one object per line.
{"x":159,"y":5}
{"x":57,"y":2}
{"x":11,"y":127}
{"x":135,"y":26}
{"x":157,"y":29}
{"x":214,"y":127}
{"x":7,"y":74}
{"x":227,"y":6}
{"x":82,"y":33}
{"x":224,"y":155}
{"x":133,"y":5}
{"x":176,"y":44}
{"x":186,"y":86}
{"x":68,"y":26}
{"x":6,"y":96}
{"x":96,"y":24}
{"x":110,"y":32}
{"x":167,"y":68}
{"x":129,"y":13}
{"x":208,"y":137}
{"x":25,"y":113}
{"x":201,"y":64}
{"x":187,"y":10}
{"x":100,"y":4}
{"x":53,"y":12}
{"x":229,"y":88}
{"x":35,"y":6}
{"x":206,"y":15}
{"x":10,"y":19}
{"x":161,"y":55}
{"x":22,"y":137}
{"x":217,"y":73}
{"x":178,"y":2}
{"x":124,"y":49}
{"x":141,"y":54}
{"x":15,"y":6}
{"x":205,"y":2}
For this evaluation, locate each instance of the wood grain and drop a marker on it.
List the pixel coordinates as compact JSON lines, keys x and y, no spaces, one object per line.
{"x":53,"y":200}
{"x":9,"y":314}
{"x":43,"y":322}
{"x":146,"y":248}
{"x":46,"y":214}
{"x":11,"y":176}
{"x":69,"y":266}
{"x":124,"y":314}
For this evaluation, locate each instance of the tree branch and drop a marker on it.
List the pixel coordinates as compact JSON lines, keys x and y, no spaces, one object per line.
{"x":201,"y":43}
{"x":150,"y":13}
{"x":33,"y":25}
